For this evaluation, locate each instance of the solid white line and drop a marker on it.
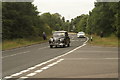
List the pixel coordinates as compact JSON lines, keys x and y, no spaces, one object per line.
{"x":24,"y":71}
{"x":86,"y":40}
{"x":54,"y":58}
{"x":45,"y":68}
{"x":31,"y":68}
{"x":38,"y":71}
{"x":38,"y":65}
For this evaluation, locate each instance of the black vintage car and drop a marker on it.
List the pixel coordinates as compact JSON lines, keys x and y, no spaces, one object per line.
{"x":60,"y":38}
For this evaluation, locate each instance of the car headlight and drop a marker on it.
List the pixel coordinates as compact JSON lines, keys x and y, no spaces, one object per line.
{"x":51,"y":39}
{"x":61,"y":39}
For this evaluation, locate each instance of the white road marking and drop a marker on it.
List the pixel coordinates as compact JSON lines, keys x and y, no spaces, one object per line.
{"x":7,"y":77}
{"x":91,"y":58}
{"x":31,"y":74}
{"x":21,"y":52}
{"x":38,"y":71}
{"x":31,"y":68}
{"x":23,"y":77}
{"x":45,"y":68}
{"x":24,"y":71}
{"x":51,"y":65}
{"x":38,"y":65}
{"x":22,"y":47}
{"x":86,"y":40}
{"x":49,"y":61}
{"x":15,"y":54}
{"x":16,"y":74}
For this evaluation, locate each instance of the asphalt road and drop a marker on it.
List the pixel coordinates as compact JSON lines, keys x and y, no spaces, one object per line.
{"x":77,"y":61}
{"x":20,"y":59}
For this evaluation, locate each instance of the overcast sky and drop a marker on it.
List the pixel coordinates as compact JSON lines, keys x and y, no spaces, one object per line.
{"x":67,"y":8}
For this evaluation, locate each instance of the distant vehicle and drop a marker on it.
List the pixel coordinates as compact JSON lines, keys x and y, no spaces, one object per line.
{"x":81,"y":35}
{"x":60,"y":38}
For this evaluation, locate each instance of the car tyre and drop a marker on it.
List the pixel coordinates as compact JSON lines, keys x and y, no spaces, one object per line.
{"x":68,"y":45}
{"x":51,"y":46}
{"x":63,"y":46}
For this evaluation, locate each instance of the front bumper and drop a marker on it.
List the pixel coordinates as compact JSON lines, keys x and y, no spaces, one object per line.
{"x":80,"y":36}
{"x":56,"y":44}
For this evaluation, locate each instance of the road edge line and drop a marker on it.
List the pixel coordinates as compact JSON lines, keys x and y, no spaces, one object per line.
{"x":52,"y":58}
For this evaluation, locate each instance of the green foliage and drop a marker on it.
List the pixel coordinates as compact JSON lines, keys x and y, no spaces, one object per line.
{"x":103,"y":18}
{"x":80,"y":23}
{"x":52,"y":20}
{"x":21,"y":20}
{"x":18,"y":20}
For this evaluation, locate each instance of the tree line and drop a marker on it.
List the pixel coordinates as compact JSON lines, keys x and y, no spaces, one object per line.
{"x":22,"y":20}
{"x":103,"y":18}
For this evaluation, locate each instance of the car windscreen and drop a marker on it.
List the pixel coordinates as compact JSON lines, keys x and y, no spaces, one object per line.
{"x":56,"y":34}
{"x":81,"y":33}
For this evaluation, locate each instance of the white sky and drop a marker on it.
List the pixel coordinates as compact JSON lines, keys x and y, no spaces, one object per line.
{"x":67,"y":8}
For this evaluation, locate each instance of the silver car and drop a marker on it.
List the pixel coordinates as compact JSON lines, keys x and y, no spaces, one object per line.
{"x":81,"y":35}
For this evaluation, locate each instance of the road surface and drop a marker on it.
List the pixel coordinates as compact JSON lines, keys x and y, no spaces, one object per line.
{"x":77,"y":61}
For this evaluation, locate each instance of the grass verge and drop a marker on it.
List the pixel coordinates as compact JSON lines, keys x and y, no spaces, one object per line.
{"x":111,"y":41}
{"x":10,"y":44}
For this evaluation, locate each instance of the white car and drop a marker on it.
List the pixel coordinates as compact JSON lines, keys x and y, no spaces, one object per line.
{"x":81,"y":35}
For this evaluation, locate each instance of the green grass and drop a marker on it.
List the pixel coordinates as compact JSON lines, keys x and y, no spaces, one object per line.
{"x":111,"y":41}
{"x":10,"y":44}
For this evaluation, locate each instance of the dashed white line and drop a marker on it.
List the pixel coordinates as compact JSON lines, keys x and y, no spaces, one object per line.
{"x":7,"y":77}
{"x":44,"y":68}
{"x":21,"y":53}
{"x":16,"y":54}
{"x":31,"y":74}
{"x":16,"y":74}
{"x":23,"y":77}
{"x":47,"y":62}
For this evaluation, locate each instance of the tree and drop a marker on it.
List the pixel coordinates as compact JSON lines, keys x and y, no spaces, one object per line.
{"x":101,"y":19}
{"x":80,"y":22}
{"x":21,"y":20}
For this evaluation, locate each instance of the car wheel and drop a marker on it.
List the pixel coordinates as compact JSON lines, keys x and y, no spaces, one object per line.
{"x":51,"y":46}
{"x":63,"y":46}
{"x":68,"y":45}
{"x":56,"y":46}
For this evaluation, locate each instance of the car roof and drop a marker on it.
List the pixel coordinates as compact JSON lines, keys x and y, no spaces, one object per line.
{"x":80,"y":32}
{"x":60,"y":31}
